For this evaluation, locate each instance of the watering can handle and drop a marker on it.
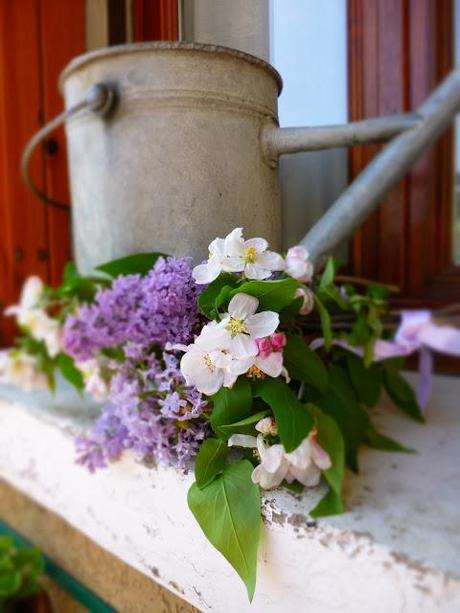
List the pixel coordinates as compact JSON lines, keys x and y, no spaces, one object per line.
{"x":100,"y":99}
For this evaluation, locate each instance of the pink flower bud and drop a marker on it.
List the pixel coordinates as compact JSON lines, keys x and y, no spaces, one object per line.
{"x":265,"y":347}
{"x":298,"y":264}
{"x":278,"y":341}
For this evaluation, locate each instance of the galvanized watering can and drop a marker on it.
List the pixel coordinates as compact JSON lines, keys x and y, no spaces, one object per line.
{"x":172,"y":144}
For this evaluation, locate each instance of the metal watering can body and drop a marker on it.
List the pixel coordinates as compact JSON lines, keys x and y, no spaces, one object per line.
{"x":179,"y":159}
{"x":173,"y":144}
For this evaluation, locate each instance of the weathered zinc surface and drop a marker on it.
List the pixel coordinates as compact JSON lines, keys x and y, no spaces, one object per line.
{"x":188,"y":121}
{"x":396,"y":550}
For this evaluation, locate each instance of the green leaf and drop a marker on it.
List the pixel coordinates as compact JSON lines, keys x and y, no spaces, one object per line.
{"x":291,"y":310}
{"x":272,"y":295}
{"x":139,"y":263}
{"x":212,"y":298}
{"x":244,"y":426}
{"x":292,"y":418}
{"x":376,"y":440}
{"x":340,"y":403}
{"x":70,"y":372}
{"x":327,"y":278}
{"x":228,"y":512}
{"x":9,"y":585}
{"x":330,"y":504}
{"x":303,"y":364}
{"x":367,"y":382}
{"x":325,"y":322}
{"x":210,"y":461}
{"x":231,"y":405}
{"x":401,"y":393}
{"x":331,"y":440}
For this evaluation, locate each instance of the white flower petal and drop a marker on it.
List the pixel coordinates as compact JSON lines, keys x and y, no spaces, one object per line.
{"x":213,"y":336}
{"x":272,"y":365}
{"x":241,"y":365}
{"x":242,"y":306}
{"x":310,"y":477}
{"x":320,"y":456}
{"x":205,"y":273}
{"x":262,"y":324}
{"x":242,"y":440}
{"x":270,"y":260}
{"x":243,"y":346}
{"x":234,"y":243}
{"x":259,"y":244}
{"x":217,"y":247}
{"x":233,"y":264}
{"x":252,"y":271}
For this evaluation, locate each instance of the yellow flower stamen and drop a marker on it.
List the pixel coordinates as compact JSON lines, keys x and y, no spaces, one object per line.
{"x":236,"y":326}
{"x":250,"y":255}
{"x":208,"y":362}
{"x":255,"y":373}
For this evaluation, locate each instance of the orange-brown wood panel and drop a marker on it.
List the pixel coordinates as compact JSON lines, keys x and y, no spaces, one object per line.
{"x":24,"y":232}
{"x":62,"y":38}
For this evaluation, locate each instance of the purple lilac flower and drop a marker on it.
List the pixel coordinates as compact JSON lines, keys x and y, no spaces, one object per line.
{"x":151,"y":411}
{"x":155,"y":309}
{"x":107,"y":442}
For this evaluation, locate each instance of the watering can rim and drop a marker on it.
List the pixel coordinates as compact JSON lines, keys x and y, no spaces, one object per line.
{"x":86,"y":58}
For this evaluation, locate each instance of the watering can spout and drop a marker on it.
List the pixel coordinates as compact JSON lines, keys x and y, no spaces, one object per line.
{"x":278,"y":141}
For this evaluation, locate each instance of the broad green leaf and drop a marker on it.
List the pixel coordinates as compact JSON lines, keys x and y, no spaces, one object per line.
{"x":272,"y":295}
{"x":330,"y":438}
{"x":292,"y":418}
{"x":330,"y":504}
{"x":367,"y":382}
{"x":325,"y":322}
{"x":244,"y":426}
{"x":230,"y":405}
{"x":210,"y":461}
{"x":341,"y":403}
{"x":401,"y":393}
{"x":291,"y":310}
{"x":70,"y":372}
{"x":303,"y":364}
{"x":9,"y":585}
{"x":139,"y":263}
{"x":376,"y":440}
{"x":213,"y":296}
{"x":228,"y":512}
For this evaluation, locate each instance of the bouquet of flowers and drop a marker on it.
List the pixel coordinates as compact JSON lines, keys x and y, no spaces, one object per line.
{"x":250,"y":365}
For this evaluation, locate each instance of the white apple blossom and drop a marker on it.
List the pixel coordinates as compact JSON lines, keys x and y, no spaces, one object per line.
{"x":95,"y":384}
{"x":304,"y":464}
{"x":21,"y":369}
{"x":242,"y":326}
{"x":266,"y":426}
{"x":208,"y":363}
{"x":234,"y":254}
{"x":298,"y":264}
{"x":34,"y":319}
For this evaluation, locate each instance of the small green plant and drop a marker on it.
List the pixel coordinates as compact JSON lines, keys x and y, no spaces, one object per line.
{"x":20,"y":571}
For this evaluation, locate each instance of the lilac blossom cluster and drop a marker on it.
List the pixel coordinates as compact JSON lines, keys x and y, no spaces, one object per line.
{"x":154,"y":309}
{"x":150,"y":409}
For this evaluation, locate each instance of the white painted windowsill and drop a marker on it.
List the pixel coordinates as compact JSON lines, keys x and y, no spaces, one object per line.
{"x":397,"y":550}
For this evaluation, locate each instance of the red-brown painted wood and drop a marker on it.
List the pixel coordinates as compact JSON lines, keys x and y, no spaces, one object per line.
{"x":399,"y":50}
{"x":155,"y":20}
